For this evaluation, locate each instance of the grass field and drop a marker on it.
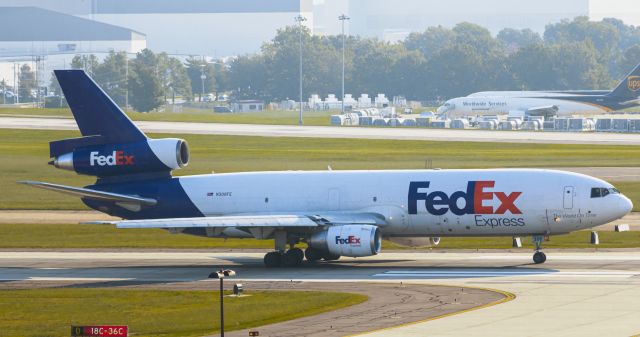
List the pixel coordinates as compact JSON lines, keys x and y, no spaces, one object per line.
{"x":51,"y":312}
{"x":280,"y":117}
{"x":107,"y":236}
{"x":24,"y":154}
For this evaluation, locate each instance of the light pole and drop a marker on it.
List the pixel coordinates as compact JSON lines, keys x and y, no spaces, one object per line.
{"x":202,"y":78}
{"x":300,"y":19}
{"x":343,"y":18}
{"x":221,"y":274}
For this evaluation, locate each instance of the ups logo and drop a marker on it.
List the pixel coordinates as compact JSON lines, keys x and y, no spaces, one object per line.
{"x":633,"y":83}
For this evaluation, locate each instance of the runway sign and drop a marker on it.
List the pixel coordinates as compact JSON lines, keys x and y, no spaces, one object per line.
{"x":100,"y":331}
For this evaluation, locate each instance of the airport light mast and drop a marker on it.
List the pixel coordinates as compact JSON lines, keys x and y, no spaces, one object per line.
{"x":343,"y":18}
{"x":202,"y":77}
{"x":221,"y":274}
{"x":300,"y":19}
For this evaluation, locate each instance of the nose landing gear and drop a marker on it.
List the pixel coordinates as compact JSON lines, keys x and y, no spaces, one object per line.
{"x":538,"y":257}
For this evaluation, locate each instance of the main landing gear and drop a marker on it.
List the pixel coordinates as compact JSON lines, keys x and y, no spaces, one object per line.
{"x":293,"y":257}
{"x":538,"y":257}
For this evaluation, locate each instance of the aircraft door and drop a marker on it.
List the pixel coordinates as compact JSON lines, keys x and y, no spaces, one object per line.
{"x":567,"y":199}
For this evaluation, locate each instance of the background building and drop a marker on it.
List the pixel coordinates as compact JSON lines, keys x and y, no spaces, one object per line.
{"x":197,"y":27}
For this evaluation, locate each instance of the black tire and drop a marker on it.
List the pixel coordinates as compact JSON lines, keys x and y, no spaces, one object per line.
{"x":292,"y":258}
{"x":299,"y":253}
{"x":273,"y":260}
{"x":330,"y":257}
{"x":539,"y":257}
{"x":313,"y":254}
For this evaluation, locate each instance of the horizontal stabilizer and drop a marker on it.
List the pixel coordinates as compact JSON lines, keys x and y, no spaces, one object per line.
{"x":91,"y":194}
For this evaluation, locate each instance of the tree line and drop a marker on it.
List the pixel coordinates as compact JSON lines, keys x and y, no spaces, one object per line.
{"x":436,"y":64}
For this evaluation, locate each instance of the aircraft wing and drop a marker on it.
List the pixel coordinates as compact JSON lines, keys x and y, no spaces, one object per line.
{"x":92,"y":194}
{"x":543,"y":109}
{"x":257,"y":220}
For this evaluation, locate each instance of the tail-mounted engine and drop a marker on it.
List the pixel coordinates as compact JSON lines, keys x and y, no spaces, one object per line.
{"x":90,"y":156}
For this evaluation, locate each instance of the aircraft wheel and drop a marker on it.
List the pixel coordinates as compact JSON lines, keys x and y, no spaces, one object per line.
{"x":293,"y":257}
{"x":539,"y":257}
{"x":313,"y":254}
{"x":330,"y":257}
{"x":273,"y":259}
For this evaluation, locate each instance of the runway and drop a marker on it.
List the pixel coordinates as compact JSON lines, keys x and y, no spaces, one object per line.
{"x":573,"y":294}
{"x":343,"y":132}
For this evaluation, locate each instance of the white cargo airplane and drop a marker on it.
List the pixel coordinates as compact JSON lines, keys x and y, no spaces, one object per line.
{"x":337,"y":213}
{"x":561,"y":103}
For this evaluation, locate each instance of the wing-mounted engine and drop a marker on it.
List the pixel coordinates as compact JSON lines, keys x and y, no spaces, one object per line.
{"x":348,"y":240}
{"x":92,"y":156}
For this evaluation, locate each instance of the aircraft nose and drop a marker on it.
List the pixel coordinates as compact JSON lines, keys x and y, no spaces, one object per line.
{"x":625,"y":205}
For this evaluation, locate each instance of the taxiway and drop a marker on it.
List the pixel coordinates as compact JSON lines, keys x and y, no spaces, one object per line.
{"x":343,"y":132}
{"x":573,"y":294}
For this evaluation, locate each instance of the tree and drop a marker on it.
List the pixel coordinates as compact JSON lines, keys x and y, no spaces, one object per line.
{"x":248,"y":78}
{"x":26,"y":83}
{"x":86,"y":62}
{"x":514,"y":39}
{"x":603,"y":35}
{"x":533,"y":68}
{"x":145,"y":86}
{"x":111,"y":75}
{"x":176,"y":80}
{"x":430,"y":41}
{"x":454,"y":71}
{"x":195,"y":68}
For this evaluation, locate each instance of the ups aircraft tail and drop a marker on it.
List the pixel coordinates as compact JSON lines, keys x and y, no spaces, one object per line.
{"x":629,"y":87}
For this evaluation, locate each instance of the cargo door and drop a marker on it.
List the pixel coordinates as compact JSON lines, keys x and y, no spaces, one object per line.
{"x":567,"y":198}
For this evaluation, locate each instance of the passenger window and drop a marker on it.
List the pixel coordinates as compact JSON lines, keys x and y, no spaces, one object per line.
{"x":595,"y":192}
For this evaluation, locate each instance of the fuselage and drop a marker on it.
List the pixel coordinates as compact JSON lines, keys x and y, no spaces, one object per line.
{"x":566,"y":104}
{"x":414,"y":202}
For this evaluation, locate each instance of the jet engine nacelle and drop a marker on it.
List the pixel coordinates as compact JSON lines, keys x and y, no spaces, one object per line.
{"x":151,"y":155}
{"x":348,"y":240}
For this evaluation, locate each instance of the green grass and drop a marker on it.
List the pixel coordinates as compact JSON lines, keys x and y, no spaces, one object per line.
{"x":24,"y":153}
{"x":107,"y":236}
{"x":278,"y":117}
{"x":51,"y":312}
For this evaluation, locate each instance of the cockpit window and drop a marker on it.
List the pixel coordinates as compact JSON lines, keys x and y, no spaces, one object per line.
{"x":599,"y":192}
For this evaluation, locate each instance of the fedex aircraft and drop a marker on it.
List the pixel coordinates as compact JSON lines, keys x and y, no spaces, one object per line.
{"x":561,"y":103}
{"x":337,"y":213}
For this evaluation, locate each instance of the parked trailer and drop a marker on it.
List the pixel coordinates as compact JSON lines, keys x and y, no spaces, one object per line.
{"x":604,"y":124}
{"x":424,"y":122}
{"x":460,"y":123}
{"x":488,"y":125}
{"x":620,"y":125}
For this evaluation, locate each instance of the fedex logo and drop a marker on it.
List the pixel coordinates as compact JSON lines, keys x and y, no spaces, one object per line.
{"x":477,"y":193}
{"x":350,"y":240}
{"x":114,"y":159}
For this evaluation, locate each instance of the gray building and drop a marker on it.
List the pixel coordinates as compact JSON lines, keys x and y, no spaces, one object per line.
{"x":197,"y":27}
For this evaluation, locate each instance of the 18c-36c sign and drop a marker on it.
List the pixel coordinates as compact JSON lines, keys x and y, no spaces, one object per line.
{"x":100,"y":331}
